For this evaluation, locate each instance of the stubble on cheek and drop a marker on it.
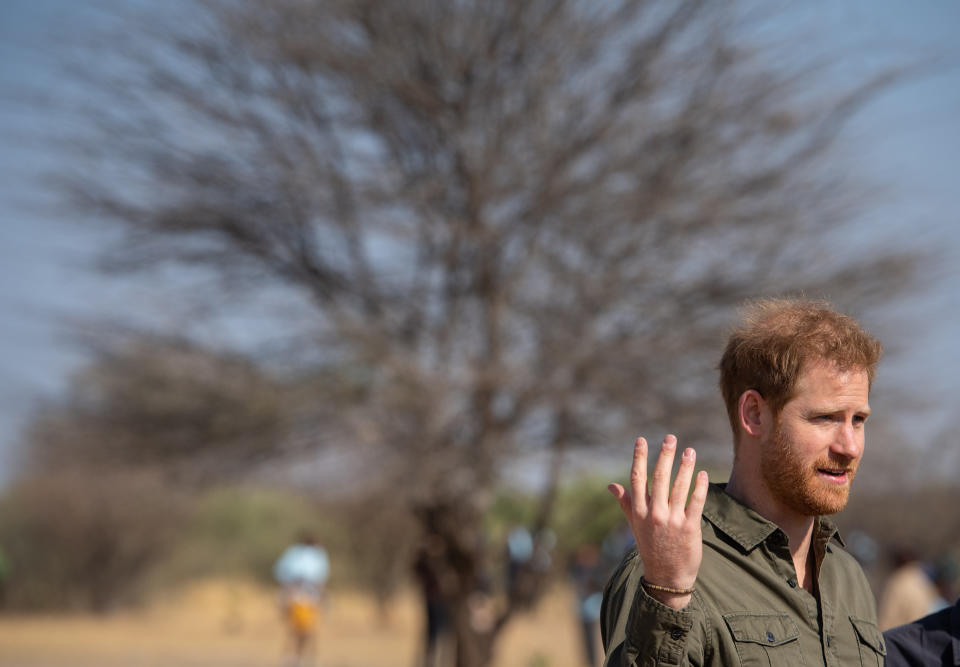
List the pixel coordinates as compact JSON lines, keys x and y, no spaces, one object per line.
{"x":798,"y":485}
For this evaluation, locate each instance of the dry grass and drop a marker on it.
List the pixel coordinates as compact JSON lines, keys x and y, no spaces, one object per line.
{"x":221,"y":623}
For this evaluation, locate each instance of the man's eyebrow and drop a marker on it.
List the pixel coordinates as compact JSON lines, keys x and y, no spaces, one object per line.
{"x":831,"y":409}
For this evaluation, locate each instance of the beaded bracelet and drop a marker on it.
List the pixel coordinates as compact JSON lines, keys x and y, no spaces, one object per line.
{"x":665,"y":589}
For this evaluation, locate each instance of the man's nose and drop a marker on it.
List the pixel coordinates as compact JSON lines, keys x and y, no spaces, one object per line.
{"x":849,"y":441}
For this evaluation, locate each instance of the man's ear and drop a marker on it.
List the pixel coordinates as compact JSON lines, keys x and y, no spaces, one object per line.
{"x":754,"y":413}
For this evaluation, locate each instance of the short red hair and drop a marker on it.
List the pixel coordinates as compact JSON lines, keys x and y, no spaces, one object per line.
{"x":778,"y":339}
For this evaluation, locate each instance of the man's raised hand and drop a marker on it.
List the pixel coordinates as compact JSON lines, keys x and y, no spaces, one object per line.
{"x":665,"y":527}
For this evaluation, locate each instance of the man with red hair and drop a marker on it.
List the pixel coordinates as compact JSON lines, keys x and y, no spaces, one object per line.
{"x":751,"y":572}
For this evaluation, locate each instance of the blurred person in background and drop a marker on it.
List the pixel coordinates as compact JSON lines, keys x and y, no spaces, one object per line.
{"x":753,"y":572}
{"x":909,"y":592}
{"x":588,"y":577}
{"x":436,"y":639}
{"x":527,"y":556}
{"x":302,"y":572}
{"x":520,"y":551}
{"x":945,"y":573}
{"x":932,"y":641}
{"x":4,"y":575}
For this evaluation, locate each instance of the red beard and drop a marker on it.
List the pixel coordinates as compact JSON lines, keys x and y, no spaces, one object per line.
{"x":798,"y":485}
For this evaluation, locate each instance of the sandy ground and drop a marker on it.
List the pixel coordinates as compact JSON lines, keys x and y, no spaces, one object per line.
{"x":222,"y":623}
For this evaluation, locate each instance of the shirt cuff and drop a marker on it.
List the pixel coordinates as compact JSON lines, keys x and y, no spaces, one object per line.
{"x":657,"y":634}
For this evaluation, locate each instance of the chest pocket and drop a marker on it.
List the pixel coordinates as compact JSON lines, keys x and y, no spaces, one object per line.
{"x":765,"y":640}
{"x":870,"y":643}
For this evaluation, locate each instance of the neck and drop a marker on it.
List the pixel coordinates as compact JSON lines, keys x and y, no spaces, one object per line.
{"x":797,"y":527}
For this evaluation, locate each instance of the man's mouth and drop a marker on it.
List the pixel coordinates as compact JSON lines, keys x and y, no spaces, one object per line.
{"x":836,"y":475}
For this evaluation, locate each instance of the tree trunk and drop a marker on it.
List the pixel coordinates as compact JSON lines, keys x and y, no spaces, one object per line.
{"x":474,"y":646}
{"x":452,"y":568}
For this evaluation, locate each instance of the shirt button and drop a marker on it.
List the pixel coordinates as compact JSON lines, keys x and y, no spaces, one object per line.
{"x":770,"y":637}
{"x":792,"y":583}
{"x":676,"y":634}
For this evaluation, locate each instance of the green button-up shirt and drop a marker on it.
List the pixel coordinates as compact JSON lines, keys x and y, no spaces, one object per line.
{"x":748,"y":608}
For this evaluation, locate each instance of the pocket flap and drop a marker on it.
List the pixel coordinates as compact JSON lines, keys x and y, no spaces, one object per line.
{"x":869,"y":634}
{"x":766,"y":629}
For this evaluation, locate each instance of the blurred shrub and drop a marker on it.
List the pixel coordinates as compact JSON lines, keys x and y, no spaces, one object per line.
{"x":241,"y":530}
{"x":75,"y":540}
{"x":584,"y":513}
{"x":380,"y":539}
{"x":83,"y":541}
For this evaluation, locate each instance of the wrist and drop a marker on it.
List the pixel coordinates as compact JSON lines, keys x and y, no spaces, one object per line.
{"x":671,"y":596}
{"x":663,"y":588}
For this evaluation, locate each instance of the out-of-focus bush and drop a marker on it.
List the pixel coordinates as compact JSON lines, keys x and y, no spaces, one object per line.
{"x":380,"y":539}
{"x":77,"y":540}
{"x":241,"y":530}
{"x":585,"y":513}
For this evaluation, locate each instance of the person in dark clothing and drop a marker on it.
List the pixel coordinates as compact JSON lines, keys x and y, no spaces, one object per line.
{"x":932,"y":641}
{"x":437,"y":613}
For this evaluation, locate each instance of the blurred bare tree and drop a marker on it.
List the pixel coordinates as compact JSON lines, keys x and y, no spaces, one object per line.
{"x":522,"y":225}
{"x":191,"y":413}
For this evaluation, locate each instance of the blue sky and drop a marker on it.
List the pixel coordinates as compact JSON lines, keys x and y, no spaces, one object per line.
{"x":906,"y":144}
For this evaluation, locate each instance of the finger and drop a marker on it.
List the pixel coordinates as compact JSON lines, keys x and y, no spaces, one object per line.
{"x":638,"y":477}
{"x":623,"y":498}
{"x":699,"y":497}
{"x":681,"y":485}
{"x":619,"y":493}
{"x":660,"y":485}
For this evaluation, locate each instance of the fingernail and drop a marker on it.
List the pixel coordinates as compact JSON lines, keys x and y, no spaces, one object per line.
{"x":688,"y":453}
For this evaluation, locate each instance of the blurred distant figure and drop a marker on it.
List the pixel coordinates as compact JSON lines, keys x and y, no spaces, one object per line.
{"x":302,"y":572}
{"x":520,"y":549}
{"x":908,"y":594}
{"x":437,"y":613}
{"x":615,"y":546}
{"x":588,"y":577}
{"x":932,"y":641}
{"x":4,"y":575}
{"x":527,"y":557}
{"x":946,"y":571}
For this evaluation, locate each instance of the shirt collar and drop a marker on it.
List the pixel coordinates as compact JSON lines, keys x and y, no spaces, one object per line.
{"x":745,"y":526}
